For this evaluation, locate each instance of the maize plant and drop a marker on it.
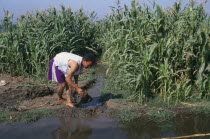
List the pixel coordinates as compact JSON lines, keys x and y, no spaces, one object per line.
{"x":29,"y":44}
{"x":158,"y":52}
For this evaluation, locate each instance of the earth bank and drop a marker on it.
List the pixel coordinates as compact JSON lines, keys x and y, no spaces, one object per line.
{"x":22,"y":99}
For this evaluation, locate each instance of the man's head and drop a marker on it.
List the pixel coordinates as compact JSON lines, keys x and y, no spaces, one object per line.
{"x":88,"y":60}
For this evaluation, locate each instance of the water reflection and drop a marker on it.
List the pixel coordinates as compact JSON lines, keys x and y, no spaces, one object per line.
{"x":100,"y":127}
{"x":103,"y":127}
{"x":192,"y":124}
{"x":143,"y":129}
{"x":181,"y":126}
{"x":70,"y":128}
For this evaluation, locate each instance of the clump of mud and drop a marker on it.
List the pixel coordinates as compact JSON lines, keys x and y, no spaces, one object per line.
{"x":12,"y":97}
{"x":79,"y":112}
{"x":37,"y":91}
{"x":81,"y":99}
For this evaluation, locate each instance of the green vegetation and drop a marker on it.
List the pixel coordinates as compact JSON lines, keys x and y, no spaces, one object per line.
{"x":158,"y":52}
{"x":27,"y":116}
{"x":155,"y":111}
{"x":159,"y":114}
{"x":28,"y":45}
{"x":124,"y":114}
{"x":91,"y":77}
{"x":202,"y":107}
{"x":135,"y":112}
{"x":150,"y":52}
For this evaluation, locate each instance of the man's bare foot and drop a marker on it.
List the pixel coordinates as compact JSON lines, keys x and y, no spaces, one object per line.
{"x":69,"y":104}
{"x":62,"y":100}
{"x":65,"y":102}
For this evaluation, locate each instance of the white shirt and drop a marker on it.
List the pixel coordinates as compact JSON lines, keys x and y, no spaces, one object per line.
{"x":61,"y":60}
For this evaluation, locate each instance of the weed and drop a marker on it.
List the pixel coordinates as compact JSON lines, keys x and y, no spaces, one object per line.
{"x":27,"y":116}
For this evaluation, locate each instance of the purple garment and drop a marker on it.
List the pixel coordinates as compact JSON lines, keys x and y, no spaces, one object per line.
{"x":59,"y":74}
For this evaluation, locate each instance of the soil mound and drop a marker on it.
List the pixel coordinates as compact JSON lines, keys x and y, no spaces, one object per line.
{"x":37,"y":91}
{"x":12,"y":97}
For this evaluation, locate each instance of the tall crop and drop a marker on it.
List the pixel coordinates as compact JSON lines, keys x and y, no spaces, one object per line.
{"x":28,"y":45}
{"x":149,"y":51}
{"x":158,"y":52}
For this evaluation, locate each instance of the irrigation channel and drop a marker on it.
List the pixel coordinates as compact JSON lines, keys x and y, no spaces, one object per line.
{"x":103,"y":127}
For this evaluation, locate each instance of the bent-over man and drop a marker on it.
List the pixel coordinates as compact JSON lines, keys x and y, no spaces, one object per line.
{"x":63,"y":67}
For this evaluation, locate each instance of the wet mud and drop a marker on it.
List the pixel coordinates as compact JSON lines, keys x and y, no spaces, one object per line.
{"x":20,"y":94}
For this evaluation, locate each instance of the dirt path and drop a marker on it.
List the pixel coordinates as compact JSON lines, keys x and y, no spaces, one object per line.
{"x":19,"y":94}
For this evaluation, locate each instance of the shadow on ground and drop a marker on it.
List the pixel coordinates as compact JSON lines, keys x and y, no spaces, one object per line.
{"x":108,"y":96}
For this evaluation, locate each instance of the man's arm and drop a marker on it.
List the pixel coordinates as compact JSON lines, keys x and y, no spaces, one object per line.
{"x":76,"y":79}
{"x":73,"y":67}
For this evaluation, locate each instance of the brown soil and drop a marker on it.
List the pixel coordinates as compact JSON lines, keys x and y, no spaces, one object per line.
{"x":114,"y":104}
{"x":21,"y":94}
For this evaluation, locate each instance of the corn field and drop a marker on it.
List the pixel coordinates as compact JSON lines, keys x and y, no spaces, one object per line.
{"x":28,"y":45}
{"x":149,"y":51}
{"x":158,"y":52}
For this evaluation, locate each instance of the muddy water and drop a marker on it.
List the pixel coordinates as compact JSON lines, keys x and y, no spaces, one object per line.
{"x":103,"y":127}
{"x":94,"y":91}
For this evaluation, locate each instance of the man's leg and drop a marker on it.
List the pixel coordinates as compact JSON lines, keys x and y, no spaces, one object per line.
{"x":69,"y":91}
{"x":60,"y":91}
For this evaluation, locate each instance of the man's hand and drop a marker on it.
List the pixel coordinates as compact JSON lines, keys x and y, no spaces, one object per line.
{"x":79,"y":91}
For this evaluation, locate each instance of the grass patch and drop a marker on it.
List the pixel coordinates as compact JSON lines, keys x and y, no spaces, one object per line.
{"x":124,"y":115}
{"x":24,"y":85}
{"x":200,"y":110}
{"x":201,"y":107}
{"x":158,"y":102}
{"x":111,"y":90}
{"x":27,"y":116}
{"x":89,"y":76}
{"x":160,"y":114}
{"x":130,"y":114}
{"x":91,"y":70}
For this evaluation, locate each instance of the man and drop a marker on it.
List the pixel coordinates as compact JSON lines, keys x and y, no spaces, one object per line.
{"x":63,"y":67}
